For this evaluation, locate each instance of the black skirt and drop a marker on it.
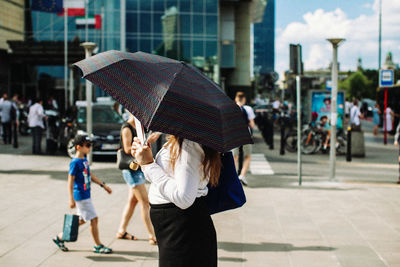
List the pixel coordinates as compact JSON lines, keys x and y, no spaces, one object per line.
{"x":185,"y":237}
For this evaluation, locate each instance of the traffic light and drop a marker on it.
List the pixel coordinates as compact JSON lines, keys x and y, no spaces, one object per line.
{"x":296,"y":63}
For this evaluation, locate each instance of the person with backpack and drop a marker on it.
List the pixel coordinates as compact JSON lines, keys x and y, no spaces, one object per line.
{"x":8,"y":116}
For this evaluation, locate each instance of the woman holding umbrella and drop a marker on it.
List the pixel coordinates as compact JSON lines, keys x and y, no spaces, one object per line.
{"x":179,"y":176}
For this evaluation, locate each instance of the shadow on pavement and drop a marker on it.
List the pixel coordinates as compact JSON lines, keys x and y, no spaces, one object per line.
{"x":108,"y":258}
{"x":109,"y":175}
{"x":138,"y":254}
{"x":231,"y":259}
{"x":292,"y":183}
{"x":273,"y":247}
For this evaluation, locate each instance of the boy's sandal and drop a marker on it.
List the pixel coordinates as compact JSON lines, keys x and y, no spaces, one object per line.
{"x":126,"y":236}
{"x":60,"y":244}
{"x":102,"y":249}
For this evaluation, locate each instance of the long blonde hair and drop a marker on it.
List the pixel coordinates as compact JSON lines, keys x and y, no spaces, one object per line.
{"x":211,"y":162}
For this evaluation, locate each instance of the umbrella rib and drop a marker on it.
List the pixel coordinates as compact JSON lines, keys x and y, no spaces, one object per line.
{"x":166,"y":91}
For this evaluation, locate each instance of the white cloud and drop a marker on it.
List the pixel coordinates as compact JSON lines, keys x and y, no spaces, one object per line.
{"x":361,"y":34}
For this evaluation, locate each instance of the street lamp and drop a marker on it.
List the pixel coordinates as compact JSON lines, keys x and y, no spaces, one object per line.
{"x":332,"y":157}
{"x":89,"y":47}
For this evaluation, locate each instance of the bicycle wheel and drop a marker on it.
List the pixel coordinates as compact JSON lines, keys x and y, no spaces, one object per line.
{"x":308,"y":144}
{"x":291,"y":142}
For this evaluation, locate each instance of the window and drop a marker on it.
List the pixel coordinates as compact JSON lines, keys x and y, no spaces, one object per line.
{"x":198,"y":27}
{"x":185,"y":24}
{"x":145,"y":23}
{"x":198,"y":49}
{"x":198,"y":6}
{"x":211,"y":25}
{"x":131,"y":22}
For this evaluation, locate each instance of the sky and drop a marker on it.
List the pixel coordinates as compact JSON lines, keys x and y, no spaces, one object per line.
{"x":311,"y":22}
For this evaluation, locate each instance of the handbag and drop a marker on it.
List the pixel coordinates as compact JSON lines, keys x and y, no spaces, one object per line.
{"x":228,"y":194}
{"x":123,"y":160}
{"x":70,"y":228}
{"x":126,"y":161}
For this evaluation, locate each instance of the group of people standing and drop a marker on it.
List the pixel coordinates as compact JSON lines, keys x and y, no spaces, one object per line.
{"x":9,"y":114}
{"x":10,"y":118}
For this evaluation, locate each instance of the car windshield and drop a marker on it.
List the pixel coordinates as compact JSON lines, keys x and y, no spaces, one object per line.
{"x":101,"y":114}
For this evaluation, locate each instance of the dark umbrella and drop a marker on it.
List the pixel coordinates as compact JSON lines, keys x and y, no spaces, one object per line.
{"x":170,"y":97}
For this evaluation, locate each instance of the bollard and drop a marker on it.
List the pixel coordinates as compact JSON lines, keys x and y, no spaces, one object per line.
{"x":282,"y":151}
{"x":348,"y":154}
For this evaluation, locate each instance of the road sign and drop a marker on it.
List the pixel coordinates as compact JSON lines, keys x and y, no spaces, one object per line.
{"x":386,"y":78}
{"x":329,"y":85}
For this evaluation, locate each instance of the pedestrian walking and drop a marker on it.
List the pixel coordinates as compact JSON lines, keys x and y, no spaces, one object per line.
{"x":35,"y":121}
{"x":248,"y":116}
{"x":15,"y":120}
{"x":376,"y":111}
{"x":8,"y":117}
{"x":1,"y":126}
{"x":79,"y":182}
{"x":396,"y":143}
{"x":355,"y":116}
{"x":389,"y":114}
{"x":137,"y":191}
{"x":179,"y":176}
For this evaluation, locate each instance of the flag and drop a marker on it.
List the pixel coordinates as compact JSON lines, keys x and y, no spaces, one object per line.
{"x":51,"y":6}
{"x":92,"y":22}
{"x":75,"y":8}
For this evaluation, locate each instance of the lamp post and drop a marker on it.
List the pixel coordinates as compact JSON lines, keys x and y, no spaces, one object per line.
{"x":332,"y":157}
{"x":89,"y":47}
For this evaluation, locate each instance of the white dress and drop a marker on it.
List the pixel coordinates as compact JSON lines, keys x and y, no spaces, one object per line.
{"x":389,"y":123}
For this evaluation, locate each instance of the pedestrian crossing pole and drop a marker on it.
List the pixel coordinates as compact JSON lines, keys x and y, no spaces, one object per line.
{"x":332,"y":156}
{"x":89,"y":47}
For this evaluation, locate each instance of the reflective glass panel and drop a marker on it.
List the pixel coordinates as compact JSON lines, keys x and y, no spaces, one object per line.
{"x":211,"y":25}
{"x":145,"y":23}
{"x":131,"y":5}
{"x":197,"y":5}
{"x":197,"y":48}
{"x":185,"y":24}
{"x":198,"y":27}
{"x":131,"y":22}
{"x":184,"y":5}
{"x":211,"y":6}
{"x":158,"y":5}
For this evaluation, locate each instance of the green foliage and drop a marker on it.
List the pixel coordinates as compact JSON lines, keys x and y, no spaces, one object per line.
{"x":358,"y":85}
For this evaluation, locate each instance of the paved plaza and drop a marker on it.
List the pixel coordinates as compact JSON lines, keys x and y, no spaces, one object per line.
{"x":353,"y":221}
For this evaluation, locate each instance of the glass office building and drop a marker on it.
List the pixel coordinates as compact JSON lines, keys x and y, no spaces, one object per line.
{"x":264,"y":41}
{"x":185,"y":30}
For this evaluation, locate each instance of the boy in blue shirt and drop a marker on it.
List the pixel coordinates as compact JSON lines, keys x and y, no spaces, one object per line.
{"x":79,"y":180}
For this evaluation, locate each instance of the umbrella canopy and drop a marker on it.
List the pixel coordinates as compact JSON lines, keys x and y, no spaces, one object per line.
{"x":169,"y":96}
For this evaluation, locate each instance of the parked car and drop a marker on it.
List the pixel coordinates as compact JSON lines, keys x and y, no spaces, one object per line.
{"x":366,"y":106}
{"x":106,"y":128}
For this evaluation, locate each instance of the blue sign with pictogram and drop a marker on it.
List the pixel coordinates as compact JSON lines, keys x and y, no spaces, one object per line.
{"x":386,"y":78}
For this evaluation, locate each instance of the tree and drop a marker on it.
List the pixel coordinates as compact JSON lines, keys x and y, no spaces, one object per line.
{"x":357,"y":85}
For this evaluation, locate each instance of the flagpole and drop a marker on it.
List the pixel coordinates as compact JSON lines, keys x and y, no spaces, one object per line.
{"x":86,"y":19}
{"x":65,"y":58}
{"x":123,"y":26}
{"x":102,"y":26}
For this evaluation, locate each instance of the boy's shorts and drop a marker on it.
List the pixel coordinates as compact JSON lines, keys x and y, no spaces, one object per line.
{"x":246,"y":150}
{"x":86,"y":209}
{"x":133,"y":178}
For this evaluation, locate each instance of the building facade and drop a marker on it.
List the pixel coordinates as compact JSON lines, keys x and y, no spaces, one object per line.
{"x":212,"y":35}
{"x":11,"y":28}
{"x":264,"y":41}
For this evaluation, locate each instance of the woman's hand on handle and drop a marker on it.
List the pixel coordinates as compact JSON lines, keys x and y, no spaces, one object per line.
{"x":143,"y":154}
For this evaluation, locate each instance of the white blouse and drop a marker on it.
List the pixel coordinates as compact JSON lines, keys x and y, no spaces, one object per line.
{"x":182,"y":186}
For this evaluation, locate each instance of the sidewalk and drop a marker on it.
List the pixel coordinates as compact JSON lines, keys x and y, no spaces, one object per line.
{"x":353,"y":221}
